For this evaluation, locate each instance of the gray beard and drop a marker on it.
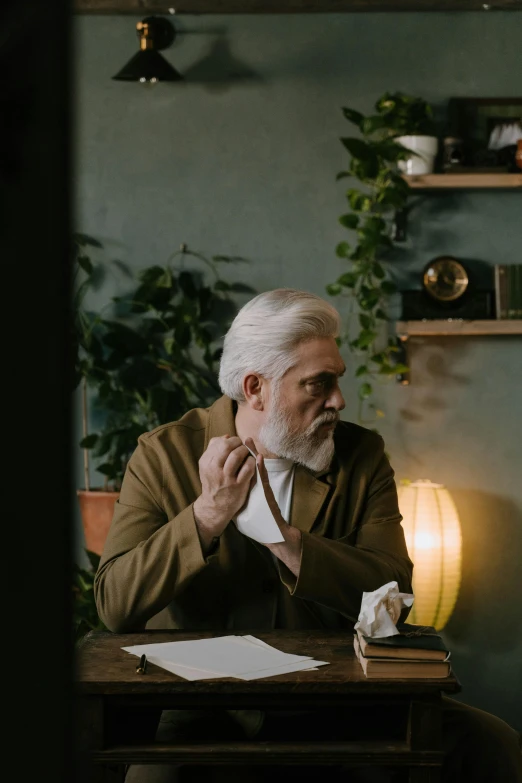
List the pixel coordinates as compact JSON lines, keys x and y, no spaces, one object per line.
{"x":307,"y":448}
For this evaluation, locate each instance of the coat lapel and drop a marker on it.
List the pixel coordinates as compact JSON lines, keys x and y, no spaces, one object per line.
{"x":307,"y":499}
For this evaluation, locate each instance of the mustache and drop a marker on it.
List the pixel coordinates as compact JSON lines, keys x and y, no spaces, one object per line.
{"x":328,"y":417}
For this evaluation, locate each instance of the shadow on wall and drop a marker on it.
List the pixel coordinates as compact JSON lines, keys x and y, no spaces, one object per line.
{"x":219,"y":69}
{"x":484,"y":632}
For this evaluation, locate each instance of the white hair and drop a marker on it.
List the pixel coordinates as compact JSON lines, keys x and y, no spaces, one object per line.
{"x":266,"y":332}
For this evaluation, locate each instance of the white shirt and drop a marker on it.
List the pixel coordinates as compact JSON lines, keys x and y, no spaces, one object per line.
{"x":281,"y":477}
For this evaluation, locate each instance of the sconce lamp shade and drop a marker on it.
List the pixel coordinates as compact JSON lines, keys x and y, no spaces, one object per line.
{"x":434,"y":540}
{"x":148,"y":65}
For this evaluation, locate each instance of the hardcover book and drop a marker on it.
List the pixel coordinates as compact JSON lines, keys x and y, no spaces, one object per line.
{"x":420,"y":642}
{"x":501,"y":291}
{"x":400,"y":668}
{"x":508,"y":291}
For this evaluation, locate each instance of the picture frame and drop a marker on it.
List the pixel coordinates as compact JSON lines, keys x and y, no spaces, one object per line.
{"x":486,"y":130}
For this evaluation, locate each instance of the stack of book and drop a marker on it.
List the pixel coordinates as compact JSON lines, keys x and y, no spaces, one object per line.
{"x":417,"y":652}
{"x":508,"y":291}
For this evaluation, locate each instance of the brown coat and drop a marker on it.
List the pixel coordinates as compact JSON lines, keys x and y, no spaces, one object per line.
{"x":153,"y":573}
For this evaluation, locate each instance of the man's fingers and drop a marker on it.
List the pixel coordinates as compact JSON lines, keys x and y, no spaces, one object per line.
{"x":220,"y":448}
{"x":248,"y":471}
{"x":234,"y":461}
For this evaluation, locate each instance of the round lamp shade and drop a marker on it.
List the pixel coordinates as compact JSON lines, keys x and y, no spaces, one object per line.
{"x":434,"y":540}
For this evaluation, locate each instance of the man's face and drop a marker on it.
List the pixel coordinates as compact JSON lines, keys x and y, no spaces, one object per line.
{"x":303,"y":411}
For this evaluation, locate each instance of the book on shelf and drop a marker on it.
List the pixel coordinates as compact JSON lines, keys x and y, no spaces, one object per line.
{"x":400,"y":668}
{"x":508,"y":291}
{"x":420,"y":642}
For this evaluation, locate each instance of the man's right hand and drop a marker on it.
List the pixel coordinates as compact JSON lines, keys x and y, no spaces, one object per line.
{"x":226,"y":470}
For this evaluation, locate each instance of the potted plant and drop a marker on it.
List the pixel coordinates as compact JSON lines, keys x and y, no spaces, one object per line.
{"x":379,"y":195}
{"x":409,"y":119}
{"x":147,"y":362}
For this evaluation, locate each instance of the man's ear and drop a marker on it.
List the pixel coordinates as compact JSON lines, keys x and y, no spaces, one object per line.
{"x":254,"y":391}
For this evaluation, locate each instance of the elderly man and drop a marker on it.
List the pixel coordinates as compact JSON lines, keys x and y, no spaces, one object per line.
{"x":175,"y":559}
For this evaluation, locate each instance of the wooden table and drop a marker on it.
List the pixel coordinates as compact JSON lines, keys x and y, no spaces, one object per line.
{"x":107,"y":685}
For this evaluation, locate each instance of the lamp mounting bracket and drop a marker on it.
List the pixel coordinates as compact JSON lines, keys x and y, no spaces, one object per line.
{"x":160,"y":30}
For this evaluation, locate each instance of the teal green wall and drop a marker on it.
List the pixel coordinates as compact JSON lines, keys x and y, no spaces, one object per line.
{"x":248,"y":167}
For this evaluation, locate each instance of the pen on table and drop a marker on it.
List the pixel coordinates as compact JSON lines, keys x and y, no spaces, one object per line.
{"x":141,"y":667}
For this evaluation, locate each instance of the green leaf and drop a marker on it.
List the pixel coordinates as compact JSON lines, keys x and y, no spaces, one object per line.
{"x":94,"y":559}
{"x":334,"y":289}
{"x":378,"y":271}
{"x":85,"y":239}
{"x":374,"y":225}
{"x":358,"y":148}
{"x":370,"y":124}
{"x":366,"y":338}
{"x":388,"y":287}
{"x":367,"y":169}
{"x":400,"y":368}
{"x":188,"y":284}
{"x":389,"y":369}
{"x":390,"y":151}
{"x":365,"y":320}
{"x":89,"y":441}
{"x":369,"y":298}
{"x":356,"y":199}
{"x":165,"y":280}
{"x":365,"y":391}
{"x":391,"y":197}
{"x":361,"y":370}
{"x":381,"y":314}
{"x":349,"y":221}
{"x":348,"y":279}
{"x":342,"y":250}
{"x":353,"y":116}
{"x":241,"y":288}
{"x":151,"y":275}
{"x":343,"y":175}
{"x":85,"y":263}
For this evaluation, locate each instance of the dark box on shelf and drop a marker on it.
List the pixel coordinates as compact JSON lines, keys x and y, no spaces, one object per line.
{"x":417,"y":305}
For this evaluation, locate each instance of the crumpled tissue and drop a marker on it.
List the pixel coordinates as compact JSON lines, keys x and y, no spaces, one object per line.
{"x":381,"y":609}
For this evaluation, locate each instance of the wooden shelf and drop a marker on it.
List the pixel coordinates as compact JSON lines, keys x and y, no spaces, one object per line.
{"x":288,"y":6}
{"x":434,"y":328}
{"x":470,"y":181}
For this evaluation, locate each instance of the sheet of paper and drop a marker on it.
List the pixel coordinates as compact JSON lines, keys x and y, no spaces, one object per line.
{"x":241,"y":657}
{"x":256,"y":520}
{"x":255,"y":640}
{"x":294,"y":667}
{"x":226,"y":656}
{"x":197,"y":674}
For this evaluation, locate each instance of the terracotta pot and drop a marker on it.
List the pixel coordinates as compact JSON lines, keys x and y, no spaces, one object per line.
{"x":97,"y":509}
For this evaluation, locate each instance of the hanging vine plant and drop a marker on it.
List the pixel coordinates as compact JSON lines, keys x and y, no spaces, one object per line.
{"x":375,"y":204}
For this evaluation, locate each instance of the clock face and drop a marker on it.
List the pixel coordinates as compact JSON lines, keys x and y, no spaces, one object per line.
{"x":445,"y":279}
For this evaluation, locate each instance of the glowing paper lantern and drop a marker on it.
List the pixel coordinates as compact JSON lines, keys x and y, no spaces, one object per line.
{"x":434,"y":540}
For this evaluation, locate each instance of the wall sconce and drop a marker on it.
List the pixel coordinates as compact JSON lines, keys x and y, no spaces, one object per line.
{"x":434,"y":540}
{"x":148,"y":65}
